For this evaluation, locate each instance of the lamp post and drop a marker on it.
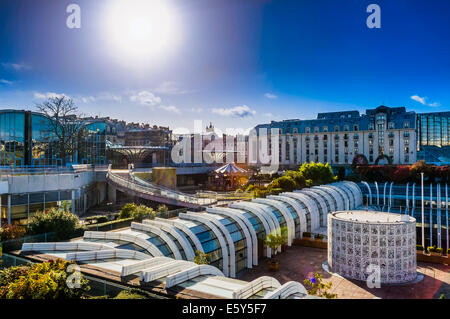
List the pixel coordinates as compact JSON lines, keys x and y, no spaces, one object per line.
{"x":423,"y":215}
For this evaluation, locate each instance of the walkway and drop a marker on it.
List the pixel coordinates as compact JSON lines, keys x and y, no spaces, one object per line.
{"x":123,"y":181}
{"x":298,"y":262}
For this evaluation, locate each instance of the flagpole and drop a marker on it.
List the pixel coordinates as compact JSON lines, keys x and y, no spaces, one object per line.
{"x":423,"y":216}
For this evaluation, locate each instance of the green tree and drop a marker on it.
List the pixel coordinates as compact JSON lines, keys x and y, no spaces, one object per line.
{"x":47,"y":280}
{"x":63,"y":128}
{"x":318,"y":173}
{"x":274,"y":240}
{"x":126,"y":210}
{"x":54,"y":220}
{"x":316,"y":287}
{"x":201,"y":258}
{"x":143,"y":212}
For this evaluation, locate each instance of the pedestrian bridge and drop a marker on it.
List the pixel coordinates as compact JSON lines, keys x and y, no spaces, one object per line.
{"x":126,"y":182}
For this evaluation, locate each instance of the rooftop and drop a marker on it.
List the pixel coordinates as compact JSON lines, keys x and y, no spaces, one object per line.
{"x":373,"y":217}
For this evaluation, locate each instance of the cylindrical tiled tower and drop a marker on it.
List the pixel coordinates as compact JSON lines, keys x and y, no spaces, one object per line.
{"x":361,"y":242}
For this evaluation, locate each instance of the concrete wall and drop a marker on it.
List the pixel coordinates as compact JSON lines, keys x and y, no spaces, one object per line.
{"x":4,"y":188}
{"x":52,"y":182}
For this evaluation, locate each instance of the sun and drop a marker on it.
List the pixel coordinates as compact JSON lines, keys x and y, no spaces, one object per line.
{"x":140,"y":29}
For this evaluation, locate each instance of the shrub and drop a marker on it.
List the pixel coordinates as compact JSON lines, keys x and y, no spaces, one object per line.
{"x":8,"y":232}
{"x":419,"y":247}
{"x":319,"y":236}
{"x":162,"y":211}
{"x":132,"y":294}
{"x":63,"y":223}
{"x":47,"y":280}
{"x":96,"y":219}
{"x":307,"y":234}
{"x":431,"y":249}
{"x":315,"y":286}
{"x":439,"y":250}
{"x":143,"y":212}
{"x":126,"y":210}
{"x":275,"y":191}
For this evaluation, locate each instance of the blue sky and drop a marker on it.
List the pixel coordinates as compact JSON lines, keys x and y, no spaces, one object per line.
{"x":236,"y":63}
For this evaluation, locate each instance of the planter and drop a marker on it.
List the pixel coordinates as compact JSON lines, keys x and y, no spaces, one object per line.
{"x":433,"y":253}
{"x":318,"y":239}
{"x":273,"y":265}
{"x":283,"y":248}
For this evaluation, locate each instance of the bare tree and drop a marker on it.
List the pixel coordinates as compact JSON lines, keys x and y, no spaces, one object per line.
{"x":64,"y":125}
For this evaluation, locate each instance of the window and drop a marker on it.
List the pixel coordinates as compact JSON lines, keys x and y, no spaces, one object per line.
{"x":325,"y":128}
{"x":355,"y":127}
{"x":336,"y":128}
{"x":371,"y":126}
{"x":295,"y":130}
{"x":308,"y":130}
{"x":316,"y":129}
{"x":406,"y":134}
{"x":346,"y":128}
{"x":391,"y":125}
{"x":406,"y":125}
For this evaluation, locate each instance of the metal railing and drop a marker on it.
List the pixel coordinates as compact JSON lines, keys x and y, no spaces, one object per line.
{"x":157,"y":191}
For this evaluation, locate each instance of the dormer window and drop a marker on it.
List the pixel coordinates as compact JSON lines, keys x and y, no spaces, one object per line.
{"x":316,"y":129}
{"x":308,"y":130}
{"x":371,"y":126}
{"x":406,"y":124}
{"x":325,"y":128}
{"x":336,"y":128}
{"x":391,"y":125}
{"x":345,"y":128}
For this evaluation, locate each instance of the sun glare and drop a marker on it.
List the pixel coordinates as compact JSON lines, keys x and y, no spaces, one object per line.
{"x":140,"y":29}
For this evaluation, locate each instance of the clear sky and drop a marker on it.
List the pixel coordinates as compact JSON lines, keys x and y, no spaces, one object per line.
{"x":236,"y":63}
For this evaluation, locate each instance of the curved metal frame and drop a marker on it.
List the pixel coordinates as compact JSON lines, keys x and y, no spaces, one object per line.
{"x":310,"y":204}
{"x":267,"y":224}
{"x":317,"y":198}
{"x":160,"y":233}
{"x":184,"y":242}
{"x":223,"y":244}
{"x":298,"y":210}
{"x":285,"y":212}
{"x":148,"y":246}
{"x":288,"y":289}
{"x":227,"y":236}
{"x":184,"y":229}
{"x":255,"y":286}
{"x":191,"y":273}
{"x":247,"y":229}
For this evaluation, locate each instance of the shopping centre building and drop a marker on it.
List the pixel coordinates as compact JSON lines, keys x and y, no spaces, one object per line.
{"x":160,"y":252}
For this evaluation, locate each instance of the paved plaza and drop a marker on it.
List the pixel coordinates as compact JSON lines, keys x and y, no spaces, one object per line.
{"x":297,"y":262}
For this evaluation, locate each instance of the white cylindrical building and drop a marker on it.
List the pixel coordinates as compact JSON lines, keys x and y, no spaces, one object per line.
{"x":362,"y":242}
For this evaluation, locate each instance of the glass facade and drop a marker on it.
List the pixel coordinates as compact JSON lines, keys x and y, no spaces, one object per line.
{"x":12,"y":138}
{"x":29,"y":139}
{"x":433,"y":129}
